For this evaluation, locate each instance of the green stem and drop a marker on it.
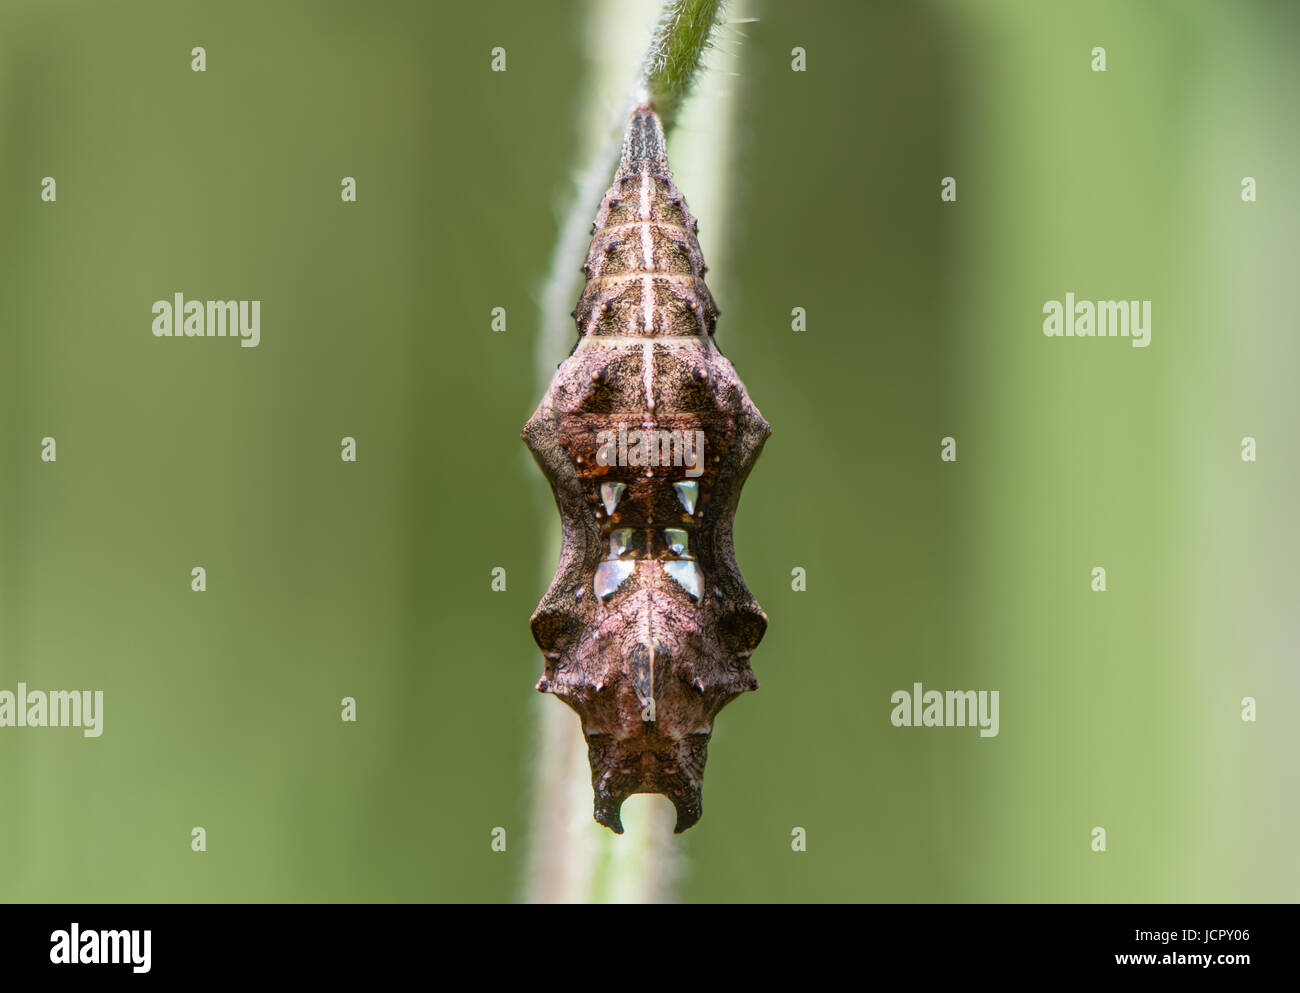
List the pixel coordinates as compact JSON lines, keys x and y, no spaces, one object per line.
{"x":676,"y":53}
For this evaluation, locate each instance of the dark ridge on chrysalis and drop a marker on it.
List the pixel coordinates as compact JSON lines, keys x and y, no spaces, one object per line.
{"x":643,"y":144}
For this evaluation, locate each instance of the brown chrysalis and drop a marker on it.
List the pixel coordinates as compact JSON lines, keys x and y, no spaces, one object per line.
{"x":646,"y":436}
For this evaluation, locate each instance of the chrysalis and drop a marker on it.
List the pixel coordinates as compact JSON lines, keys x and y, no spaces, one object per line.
{"x":646,"y":436}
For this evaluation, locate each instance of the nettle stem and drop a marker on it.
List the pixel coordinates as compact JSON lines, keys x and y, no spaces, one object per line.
{"x":676,"y":54}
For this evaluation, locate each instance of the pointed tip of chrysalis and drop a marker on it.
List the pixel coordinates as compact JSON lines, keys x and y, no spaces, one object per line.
{"x":643,"y":144}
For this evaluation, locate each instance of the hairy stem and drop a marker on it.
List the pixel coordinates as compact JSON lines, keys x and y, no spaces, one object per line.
{"x":676,"y":53}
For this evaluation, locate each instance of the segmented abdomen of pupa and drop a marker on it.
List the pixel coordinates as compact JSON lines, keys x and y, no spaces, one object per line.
{"x":646,"y":435}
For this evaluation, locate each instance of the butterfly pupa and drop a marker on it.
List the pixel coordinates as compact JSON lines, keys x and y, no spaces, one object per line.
{"x":646,"y":435}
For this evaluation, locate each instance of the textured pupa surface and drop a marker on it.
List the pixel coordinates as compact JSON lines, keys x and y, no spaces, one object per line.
{"x":646,"y":436}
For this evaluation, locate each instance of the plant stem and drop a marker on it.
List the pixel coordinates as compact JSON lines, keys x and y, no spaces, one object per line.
{"x":676,"y":53}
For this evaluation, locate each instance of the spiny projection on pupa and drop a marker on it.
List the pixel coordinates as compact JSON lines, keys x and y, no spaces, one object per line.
{"x":646,"y":435}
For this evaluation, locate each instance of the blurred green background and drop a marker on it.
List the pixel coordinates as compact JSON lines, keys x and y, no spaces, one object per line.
{"x":372,"y":580}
